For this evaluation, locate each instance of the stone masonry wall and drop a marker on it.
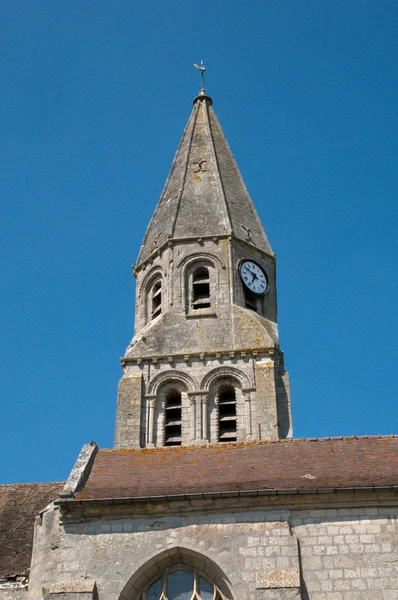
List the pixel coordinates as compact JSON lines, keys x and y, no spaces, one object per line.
{"x":348,"y":554}
{"x":13,"y":594}
{"x":260,"y":554}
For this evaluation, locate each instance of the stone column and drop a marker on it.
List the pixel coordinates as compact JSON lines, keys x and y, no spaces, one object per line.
{"x":192,"y":407}
{"x":217,"y":426}
{"x":248,"y":411}
{"x":205,"y":434}
{"x":151,"y":421}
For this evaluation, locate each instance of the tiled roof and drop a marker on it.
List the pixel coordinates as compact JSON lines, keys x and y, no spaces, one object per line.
{"x":281,"y":465}
{"x":20,"y":503}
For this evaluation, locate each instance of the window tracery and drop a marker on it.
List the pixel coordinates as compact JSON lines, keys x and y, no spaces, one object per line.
{"x":181,"y":583}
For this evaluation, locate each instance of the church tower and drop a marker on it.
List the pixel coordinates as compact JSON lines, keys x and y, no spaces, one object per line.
{"x":204,"y":364}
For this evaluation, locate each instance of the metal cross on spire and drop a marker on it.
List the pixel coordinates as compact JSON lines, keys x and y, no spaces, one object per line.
{"x":202,"y":69}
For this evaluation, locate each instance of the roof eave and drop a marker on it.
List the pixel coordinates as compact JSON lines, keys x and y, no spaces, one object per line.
{"x":76,"y":502}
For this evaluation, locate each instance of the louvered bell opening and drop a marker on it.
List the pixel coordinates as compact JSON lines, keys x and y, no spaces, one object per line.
{"x":173,"y":420}
{"x":227,"y":414}
{"x":156,"y":299}
{"x":250,"y":300}
{"x":201,"y":289}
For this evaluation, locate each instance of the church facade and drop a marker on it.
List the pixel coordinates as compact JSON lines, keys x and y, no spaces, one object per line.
{"x":206,"y":494}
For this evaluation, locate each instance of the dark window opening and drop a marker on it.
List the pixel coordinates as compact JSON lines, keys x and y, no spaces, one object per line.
{"x":250,"y":300}
{"x":201,"y":289}
{"x":156,"y":300}
{"x":227,"y":414}
{"x":173,"y":419}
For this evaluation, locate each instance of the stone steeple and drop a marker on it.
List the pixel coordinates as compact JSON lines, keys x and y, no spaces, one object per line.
{"x":204,"y":193}
{"x":204,"y":364}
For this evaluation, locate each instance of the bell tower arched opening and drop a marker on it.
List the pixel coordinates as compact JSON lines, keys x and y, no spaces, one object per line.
{"x":227,"y":430}
{"x":201,"y":288}
{"x":173,"y":418}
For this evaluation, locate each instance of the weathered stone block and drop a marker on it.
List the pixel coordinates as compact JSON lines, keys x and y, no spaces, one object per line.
{"x":283,"y":578}
{"x":278,"y":594}
{"x":71,"y":590}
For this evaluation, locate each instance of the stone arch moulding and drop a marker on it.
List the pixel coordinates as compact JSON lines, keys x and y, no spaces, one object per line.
{"x":188,"y":557}
{"x":225,"y":371}
{"x":197,"y":256}
{"x":169,"y":377}
{"x":152,"y":273}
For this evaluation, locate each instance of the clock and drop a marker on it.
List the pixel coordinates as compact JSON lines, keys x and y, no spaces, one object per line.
{"x":254,"y":277}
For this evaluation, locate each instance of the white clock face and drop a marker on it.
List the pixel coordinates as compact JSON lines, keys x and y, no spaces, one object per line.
{"x":253,"y":277}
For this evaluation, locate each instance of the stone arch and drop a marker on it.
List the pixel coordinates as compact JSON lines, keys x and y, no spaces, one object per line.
{"x":155,"y":271}
{"x":168,"y":377}
{"x":224,"y":372}
{"x":194,"y":256}
{"x":188,"y":265}
{"x":188,"y":557}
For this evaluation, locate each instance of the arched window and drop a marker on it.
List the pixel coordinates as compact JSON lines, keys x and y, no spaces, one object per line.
{"x":227,"y":414}
{"x":155,"y":299}
{"x":181,"y":583}
{"x":172,"y":419}
{"x":201,"y":288}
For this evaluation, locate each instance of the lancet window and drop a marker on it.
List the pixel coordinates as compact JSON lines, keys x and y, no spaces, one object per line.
{"x":227,"y":414}
{"x":182,"y":584}
{"x":173,"y":418}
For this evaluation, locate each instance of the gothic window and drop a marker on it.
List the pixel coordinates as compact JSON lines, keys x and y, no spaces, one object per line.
{"x":227,"y":414}
{"x":181,"y":584}
{"x":172,"y":420}
{"x":201,"y":288}
{"x":155,"y":299}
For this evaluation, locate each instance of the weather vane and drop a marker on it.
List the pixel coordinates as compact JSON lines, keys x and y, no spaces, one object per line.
{"x":202,"y":69}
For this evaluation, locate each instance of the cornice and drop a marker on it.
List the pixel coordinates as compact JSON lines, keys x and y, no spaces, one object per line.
{"x":241,"y":353}
{"x":233,"y":501}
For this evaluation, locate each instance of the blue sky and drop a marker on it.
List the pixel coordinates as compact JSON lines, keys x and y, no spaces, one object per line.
{"x":94,"y":98}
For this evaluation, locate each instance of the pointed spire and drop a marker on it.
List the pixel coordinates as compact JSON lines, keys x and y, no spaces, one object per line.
{"x":204,"y":194}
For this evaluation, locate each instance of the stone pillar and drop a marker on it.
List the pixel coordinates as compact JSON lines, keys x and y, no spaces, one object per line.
{"x":266,"y":403}
{"x":216,"y":429}
{"x":205,"y":433}
{"x":192,"y":417}
{"x":151,"y":421}
{"x":248,"y":410}
{"x":129,"y":412}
